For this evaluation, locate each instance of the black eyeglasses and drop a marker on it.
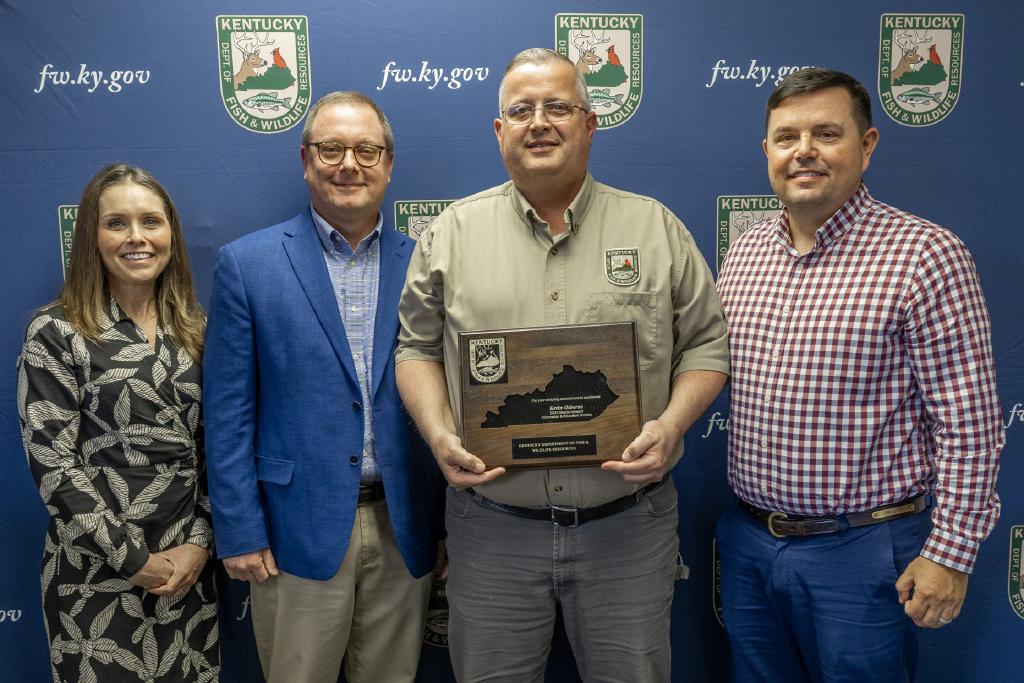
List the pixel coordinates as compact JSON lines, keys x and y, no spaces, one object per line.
{"x":522,"y":112}
{"x":333,"y":153}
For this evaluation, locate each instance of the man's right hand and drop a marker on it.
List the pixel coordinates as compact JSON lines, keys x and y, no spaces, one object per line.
{"x":256,"y":566}
{"x":460,"y":467}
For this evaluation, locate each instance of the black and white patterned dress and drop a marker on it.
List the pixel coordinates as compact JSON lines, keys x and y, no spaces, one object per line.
{"x":112,"y":434}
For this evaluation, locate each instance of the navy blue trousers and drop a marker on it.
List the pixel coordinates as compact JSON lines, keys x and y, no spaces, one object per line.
{"x":819,"y":608}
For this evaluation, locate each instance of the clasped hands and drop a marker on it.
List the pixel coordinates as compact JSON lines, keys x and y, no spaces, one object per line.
{"x":172,"y":571}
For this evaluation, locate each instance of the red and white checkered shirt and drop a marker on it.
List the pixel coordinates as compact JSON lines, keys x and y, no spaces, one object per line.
{"x":862,"y":373}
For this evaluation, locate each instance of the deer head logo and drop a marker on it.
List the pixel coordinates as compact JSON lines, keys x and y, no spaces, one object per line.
{"x":586,"y":45}
{"x":249,"y":45}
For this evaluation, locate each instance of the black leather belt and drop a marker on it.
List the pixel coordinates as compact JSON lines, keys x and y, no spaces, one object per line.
{"x":568,"y":516}
{"x":371,"y":492}
{"x":781,"y":524}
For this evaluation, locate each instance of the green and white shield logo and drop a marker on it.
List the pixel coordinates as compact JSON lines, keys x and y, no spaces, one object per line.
{"x":67,"y":215}
{"x":264,"y":70}
{"x":413,"y":216}
{"x":1016,"y":587}
{"x":736,"y":213}
{"x":608,"y":50}
{"x":920,"y":66}
{"x":622,"y":266}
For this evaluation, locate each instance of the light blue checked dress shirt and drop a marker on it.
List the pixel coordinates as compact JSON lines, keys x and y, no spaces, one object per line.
{"x":355,"y":275}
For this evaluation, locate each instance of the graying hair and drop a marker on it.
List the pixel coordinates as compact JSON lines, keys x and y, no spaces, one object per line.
{"x":540,"y":55}
{"x":347,"y":97}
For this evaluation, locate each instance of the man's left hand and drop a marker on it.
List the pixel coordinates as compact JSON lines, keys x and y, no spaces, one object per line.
{"x":645,"y":460}
{"x":938,"y":592}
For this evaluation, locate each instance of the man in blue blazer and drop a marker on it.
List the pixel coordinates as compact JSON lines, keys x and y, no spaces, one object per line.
{"x":324,"y":497}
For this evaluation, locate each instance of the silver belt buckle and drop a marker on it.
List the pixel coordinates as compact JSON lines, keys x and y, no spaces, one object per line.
{"x":575,"y":515}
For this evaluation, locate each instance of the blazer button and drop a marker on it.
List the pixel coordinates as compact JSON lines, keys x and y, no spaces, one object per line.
{"x":357,"y":406}
{"x":354,"y":459}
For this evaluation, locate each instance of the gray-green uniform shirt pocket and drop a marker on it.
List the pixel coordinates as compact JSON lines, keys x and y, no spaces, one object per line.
{"x":640,"y":307}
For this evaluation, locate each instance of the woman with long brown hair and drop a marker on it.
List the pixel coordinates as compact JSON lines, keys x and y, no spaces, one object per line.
{"x":109,"y":399}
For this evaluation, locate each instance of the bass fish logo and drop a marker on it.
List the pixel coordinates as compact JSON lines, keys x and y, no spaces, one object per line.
{"x":608,"y":50}
{"x":67,"y":216}
{"x":413,"y":216}
{"x":920,"y":66}
{"x":736,"y":213}
{"x":487,"y":361}
{"x":264,"y":70}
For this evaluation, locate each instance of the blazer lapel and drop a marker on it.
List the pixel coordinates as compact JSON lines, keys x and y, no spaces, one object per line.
{"x":307,"y":258}
{"x":393,"y":264}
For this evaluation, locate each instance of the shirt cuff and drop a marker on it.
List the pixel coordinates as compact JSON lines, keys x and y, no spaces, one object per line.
{"x":135,"y":559}
{"x":432,"y":354}
{"x":950,"y":551}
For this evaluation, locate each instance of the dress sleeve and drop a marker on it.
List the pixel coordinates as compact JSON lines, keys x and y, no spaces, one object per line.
{"x":48,"y":408}
{"x":200,"y":533}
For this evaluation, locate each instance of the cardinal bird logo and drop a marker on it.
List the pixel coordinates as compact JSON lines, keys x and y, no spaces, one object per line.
{"x":278,"y":59}
{"x":613,"y":58}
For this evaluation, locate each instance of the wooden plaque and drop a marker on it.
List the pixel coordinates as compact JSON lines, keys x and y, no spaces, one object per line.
{"x":545,"y":397}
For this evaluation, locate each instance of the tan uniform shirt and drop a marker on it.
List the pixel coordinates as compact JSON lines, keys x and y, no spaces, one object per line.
{"x":489,"y":262}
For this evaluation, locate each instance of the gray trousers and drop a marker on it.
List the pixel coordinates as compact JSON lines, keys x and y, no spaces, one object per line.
{"x":613,"y":577}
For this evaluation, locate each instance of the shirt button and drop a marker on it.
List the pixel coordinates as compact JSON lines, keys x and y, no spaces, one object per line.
{"x":800,"y":265}
{"x":354,"y":459}
{"x":554,"y":251}
{"x":357,"y":406}
{"x":786,"y":309}
{"x":355,"y":309}
{"x":768,"y":399}
{"x":775,"y":353}
{"x":558,"y":489}
{"x":764,"y":488}
{"x":764,"y":443}
{"x":554,"y":296}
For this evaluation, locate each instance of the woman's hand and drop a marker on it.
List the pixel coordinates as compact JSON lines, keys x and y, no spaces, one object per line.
{"x":154,"y":574}
{"x":187,"y":561}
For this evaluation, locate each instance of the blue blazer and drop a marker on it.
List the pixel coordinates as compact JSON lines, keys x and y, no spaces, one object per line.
{"x":283,"y":410}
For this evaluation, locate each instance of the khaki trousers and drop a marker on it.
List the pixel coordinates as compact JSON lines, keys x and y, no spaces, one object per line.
{"x":371,"y":613}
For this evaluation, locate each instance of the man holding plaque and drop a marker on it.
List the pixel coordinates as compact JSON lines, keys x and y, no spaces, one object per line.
{"x":863,"y":393}
{"x":554,"y":247}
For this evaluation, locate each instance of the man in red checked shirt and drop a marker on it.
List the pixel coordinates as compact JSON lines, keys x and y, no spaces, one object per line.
{"x":863,"y":396}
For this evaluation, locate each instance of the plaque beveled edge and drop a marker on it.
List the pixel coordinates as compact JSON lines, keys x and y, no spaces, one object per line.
{"x":638,"y":400}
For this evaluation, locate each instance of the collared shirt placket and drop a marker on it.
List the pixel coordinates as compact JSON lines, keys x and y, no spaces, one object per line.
{"x":354,"y":275}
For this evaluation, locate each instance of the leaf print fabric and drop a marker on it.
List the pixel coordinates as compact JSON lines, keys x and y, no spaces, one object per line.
{"x":113,"y":438}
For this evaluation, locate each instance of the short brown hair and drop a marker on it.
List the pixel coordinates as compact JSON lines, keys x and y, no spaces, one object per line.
{"x":85,"y":291}
{"x":813,"y":79}
{"x":348,"y":97}
{"x":540,"y":55}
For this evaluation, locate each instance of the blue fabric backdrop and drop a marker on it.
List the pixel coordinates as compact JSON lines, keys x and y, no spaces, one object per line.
{"x":84,"y":84}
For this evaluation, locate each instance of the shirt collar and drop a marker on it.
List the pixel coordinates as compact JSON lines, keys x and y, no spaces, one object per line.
{"x":574,"y":215}
{"x":114,"y":315}
{"x":326,"y":233}
{"x":845,"y":218}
